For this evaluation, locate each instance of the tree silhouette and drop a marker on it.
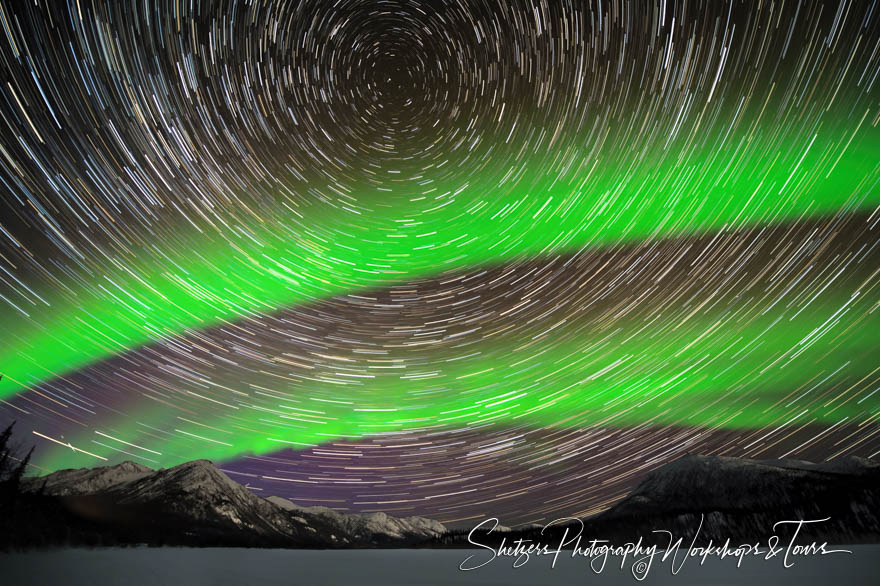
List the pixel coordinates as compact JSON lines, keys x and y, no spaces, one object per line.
{"x":12,"y":468}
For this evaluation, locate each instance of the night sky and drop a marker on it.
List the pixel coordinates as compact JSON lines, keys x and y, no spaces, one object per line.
{"x":452,"y":258}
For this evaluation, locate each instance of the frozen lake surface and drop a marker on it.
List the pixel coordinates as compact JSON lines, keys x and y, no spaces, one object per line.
{"x":236,"y":567}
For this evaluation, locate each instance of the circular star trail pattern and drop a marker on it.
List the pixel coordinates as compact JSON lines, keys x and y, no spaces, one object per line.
{"x":451,"y":258}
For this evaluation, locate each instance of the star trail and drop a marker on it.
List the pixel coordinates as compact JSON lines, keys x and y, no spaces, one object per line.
{"x":457,"y":258}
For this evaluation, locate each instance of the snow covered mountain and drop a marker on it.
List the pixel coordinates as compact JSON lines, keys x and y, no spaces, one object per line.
{"x":743,"y":499}
{"x":371,"y":527}
{"x":86,"y":480}
{"x":718,"y":498}
{"x":717,"y":483}
{"x":195,"y":503}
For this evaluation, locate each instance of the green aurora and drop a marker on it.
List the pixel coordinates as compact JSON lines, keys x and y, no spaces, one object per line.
{"x":276,"y":266}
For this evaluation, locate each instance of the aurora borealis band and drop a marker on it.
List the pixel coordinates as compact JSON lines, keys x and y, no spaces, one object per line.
{"x":453,"y":258}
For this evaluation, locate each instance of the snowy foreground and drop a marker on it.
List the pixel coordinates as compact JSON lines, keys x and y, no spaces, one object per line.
{"x":233,"y":567}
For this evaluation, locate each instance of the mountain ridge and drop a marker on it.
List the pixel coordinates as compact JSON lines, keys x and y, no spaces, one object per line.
{"x":717,"y":497}
{"x":196,"y":497}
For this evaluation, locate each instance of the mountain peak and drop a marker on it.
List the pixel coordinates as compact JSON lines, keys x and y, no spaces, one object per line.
{"x":194,"y":464}
{"x":81,"y":481}
{"x":697,"y":482}
{"x":199,"y":501}
{"x":196,"y":476}
{"x":130,"y":466}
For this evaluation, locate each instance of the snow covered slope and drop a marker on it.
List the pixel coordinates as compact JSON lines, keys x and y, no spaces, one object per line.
{"x":201,"y":501}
